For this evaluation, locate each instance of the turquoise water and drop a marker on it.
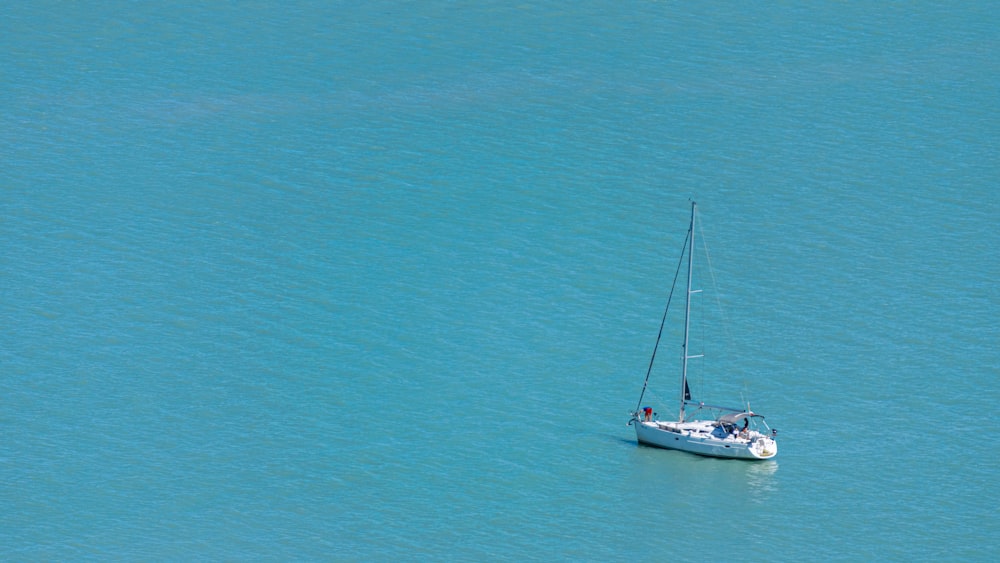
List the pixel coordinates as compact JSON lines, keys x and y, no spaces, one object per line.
{"x":318,"y":281}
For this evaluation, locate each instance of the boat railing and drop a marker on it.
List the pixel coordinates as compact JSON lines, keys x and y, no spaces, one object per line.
{"x":701,"y":405}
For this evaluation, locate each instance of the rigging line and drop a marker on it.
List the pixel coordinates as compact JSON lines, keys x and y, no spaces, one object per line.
{"x":715,"y":286}
{"x":718,"y":301}
{"x":663,"y":322}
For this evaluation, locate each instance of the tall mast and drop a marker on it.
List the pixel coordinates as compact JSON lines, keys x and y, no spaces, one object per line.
{"x":685,"y":396}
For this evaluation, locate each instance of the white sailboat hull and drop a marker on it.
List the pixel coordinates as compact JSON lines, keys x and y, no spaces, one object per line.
{"x":705,"y":438}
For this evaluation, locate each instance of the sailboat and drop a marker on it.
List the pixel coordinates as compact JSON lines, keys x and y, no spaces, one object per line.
{"x":707,"y":430}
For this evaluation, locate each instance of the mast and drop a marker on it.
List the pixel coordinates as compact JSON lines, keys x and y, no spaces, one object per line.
{"x":685,"y":393}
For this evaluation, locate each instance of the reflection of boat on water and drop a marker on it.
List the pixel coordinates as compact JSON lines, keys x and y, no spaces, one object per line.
{"x":760,"y":479}
{"x":709,"y":430}
{"x":760,"y":474}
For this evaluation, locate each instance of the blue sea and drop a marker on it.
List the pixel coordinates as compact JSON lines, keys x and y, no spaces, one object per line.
{"x":380,"y":281}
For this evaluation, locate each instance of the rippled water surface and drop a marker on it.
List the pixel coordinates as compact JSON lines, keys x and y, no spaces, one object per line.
{"x":319,"y":281}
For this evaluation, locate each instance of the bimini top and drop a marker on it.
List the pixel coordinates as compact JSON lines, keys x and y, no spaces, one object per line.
{"x":732,"y":418}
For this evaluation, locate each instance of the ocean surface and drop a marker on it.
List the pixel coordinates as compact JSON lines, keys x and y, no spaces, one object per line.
{"x":380,"y":281}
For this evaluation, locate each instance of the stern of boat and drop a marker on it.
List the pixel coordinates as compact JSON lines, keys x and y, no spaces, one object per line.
{"x":764,"y":447}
